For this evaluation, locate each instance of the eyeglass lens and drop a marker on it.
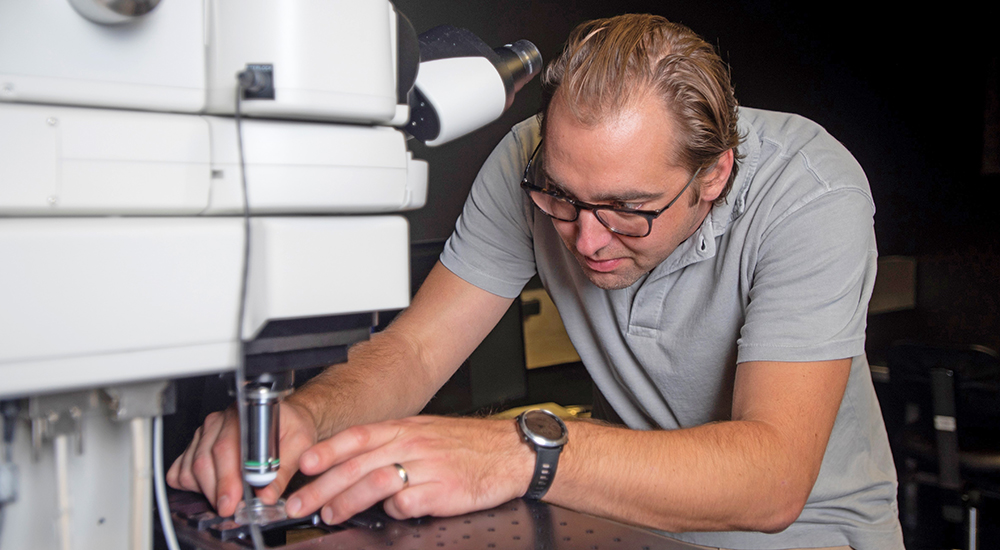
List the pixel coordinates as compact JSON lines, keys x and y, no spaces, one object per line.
{"x":623,"y":223}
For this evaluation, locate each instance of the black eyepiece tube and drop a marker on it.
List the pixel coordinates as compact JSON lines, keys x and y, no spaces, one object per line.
{"x":518,"y":63}
{"x":531,"y":62}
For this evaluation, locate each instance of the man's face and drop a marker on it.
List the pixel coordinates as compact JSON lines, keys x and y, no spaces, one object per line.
{"x":624,"y":161}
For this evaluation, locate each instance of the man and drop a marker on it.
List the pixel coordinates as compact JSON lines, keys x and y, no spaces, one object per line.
{"x":712,"y":266}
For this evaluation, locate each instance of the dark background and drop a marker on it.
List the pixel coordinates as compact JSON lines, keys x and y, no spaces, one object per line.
{"x":911,"y":93}
{"x":906,"y":91}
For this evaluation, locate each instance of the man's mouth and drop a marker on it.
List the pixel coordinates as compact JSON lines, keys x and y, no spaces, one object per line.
{"x":603,"y":266}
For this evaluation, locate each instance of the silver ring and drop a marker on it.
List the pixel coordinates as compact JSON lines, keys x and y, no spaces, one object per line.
{"x":402,"y":475}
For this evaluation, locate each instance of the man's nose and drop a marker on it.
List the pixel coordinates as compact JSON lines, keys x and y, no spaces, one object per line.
{"x":591,"y":236}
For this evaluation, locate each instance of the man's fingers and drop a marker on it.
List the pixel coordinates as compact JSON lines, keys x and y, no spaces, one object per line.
{"x":374,"y":487}
{"x":203,"y":459}
{"x":346,"y":458}
{"x":349,"y":443}
{"x":414,"y":502}
{"x":211,"y":464}
{"x":437,"y":494}
{"x":180,"y":476}
{"x":291,"y":447}
{"x":229,"y":467}
{"x":228,"y":470}
{"x":335,"y":481}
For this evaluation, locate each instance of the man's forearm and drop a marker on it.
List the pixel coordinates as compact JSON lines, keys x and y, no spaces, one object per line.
{"x":397,"y":372}
{"x":751,"y":473}
{"x":382,"y":379}
{"x":725,"y":476}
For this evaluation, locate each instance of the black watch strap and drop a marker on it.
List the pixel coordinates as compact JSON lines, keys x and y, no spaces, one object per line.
{"x":545,"y":469}
{"x":541,"y":519}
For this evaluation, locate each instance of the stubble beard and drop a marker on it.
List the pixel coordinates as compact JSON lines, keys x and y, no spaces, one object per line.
{"x":625,"y":277}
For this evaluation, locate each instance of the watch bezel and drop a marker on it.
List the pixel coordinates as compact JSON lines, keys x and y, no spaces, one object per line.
{"x":540,"y":440}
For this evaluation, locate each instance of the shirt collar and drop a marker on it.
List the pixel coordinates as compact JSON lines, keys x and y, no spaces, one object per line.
{"x":722,"y":216}
{"x":701,"y":245}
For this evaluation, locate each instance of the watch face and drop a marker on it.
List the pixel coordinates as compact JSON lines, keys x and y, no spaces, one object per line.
{"x":543,"y":426}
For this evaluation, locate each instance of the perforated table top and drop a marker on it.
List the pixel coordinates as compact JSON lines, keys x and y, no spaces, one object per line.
{"x":518,"y":524}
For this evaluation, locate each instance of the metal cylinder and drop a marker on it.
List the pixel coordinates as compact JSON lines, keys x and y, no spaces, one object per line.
{"x":262,"y":461}
{"x":261,"y":401}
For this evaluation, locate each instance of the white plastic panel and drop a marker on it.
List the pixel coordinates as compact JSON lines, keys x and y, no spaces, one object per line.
{"x":304,"y":267}
{"x":83,"y":301}
{"x":73,"y":161}
{"x":333,"y":59}
{"x":299,"y":167}
{"x":49,"y":53}
{"x":86,"y":302}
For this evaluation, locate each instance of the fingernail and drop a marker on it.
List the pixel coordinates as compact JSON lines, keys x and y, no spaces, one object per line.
{"x":308,"y":460}
{"x":223,"y":503}
{"x":293,"y":505}
{"x":327,"y":515}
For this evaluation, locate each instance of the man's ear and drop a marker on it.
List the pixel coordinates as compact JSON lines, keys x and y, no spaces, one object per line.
{"x":715,"y":180}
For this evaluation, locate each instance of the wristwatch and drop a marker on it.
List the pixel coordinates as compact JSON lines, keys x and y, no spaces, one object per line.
{"x":546,"y":434}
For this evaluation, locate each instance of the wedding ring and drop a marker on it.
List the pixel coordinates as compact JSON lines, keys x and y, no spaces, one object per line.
{"x":402,"y":475}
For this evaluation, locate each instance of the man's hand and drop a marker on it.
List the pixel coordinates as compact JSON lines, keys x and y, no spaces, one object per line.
{"x":454,"y":466}
{"x":393,"y":375}
{"x":211,"y":463}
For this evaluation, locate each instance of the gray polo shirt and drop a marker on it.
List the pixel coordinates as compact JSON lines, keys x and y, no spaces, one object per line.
{"x":781,"y":272}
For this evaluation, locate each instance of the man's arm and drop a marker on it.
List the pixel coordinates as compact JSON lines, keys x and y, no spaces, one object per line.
{"x":400,"y":369}
{"x":393,"y":375}
{"x":754,"y":472}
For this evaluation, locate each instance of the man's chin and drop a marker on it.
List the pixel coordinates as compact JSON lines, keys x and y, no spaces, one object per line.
{"x":614,"y":280}
{"x":620,"y":275}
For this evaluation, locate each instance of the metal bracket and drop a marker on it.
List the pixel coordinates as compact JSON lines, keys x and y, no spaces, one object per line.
{"x":60,"y":414}
{"x":141,"y":400}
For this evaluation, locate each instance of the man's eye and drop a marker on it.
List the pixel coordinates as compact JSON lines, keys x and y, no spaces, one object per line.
{"x":556,"y":192}
{"x":627,"y":205}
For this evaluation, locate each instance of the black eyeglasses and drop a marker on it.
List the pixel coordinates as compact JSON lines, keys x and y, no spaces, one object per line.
{"x":623,"y":221}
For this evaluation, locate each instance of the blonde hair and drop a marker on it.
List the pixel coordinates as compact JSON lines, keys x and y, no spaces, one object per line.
{"x":609,"y":64}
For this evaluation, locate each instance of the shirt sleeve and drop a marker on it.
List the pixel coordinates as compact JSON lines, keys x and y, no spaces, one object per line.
{"x":491,"y":246}
{"x":812,"y":279}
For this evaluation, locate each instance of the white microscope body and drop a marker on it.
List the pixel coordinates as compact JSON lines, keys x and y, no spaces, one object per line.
{"x":122,"y":236}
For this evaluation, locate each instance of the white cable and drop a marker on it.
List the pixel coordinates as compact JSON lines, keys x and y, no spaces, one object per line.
{"x":140,"y":511}
{"x":161,"y":488}
{"x":61,"y":445}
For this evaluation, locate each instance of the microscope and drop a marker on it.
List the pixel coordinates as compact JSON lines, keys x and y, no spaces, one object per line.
{"x":191,"y":187}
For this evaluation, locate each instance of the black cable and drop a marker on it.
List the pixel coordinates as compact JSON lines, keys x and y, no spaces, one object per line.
{"x":255,"y":536}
